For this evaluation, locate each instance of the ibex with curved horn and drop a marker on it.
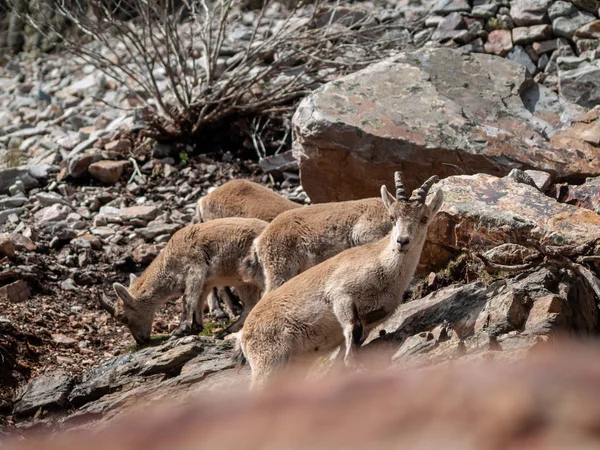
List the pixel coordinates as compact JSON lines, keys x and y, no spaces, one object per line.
{"x":338,"y":301}
{"x":301,"y":238}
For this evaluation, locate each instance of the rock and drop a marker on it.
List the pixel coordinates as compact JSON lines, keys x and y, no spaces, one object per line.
{"x":145,"y":213}
{"x":118,"y":375}
{"x":7,"y":248}
{"x":547,"y":314}
{"x":52,"y":213}
{"x":592,"y":6}
{"x":78,"y":165}
{"x":529,"y":12}
{"x":8,"y":177}
{"x":450,"y":6}
{"x":527,"y":35}
{"x":46,"y":392}
{"x":7,"y":213}
{"x":581,"y":85}
{"x":548,"y":46}
{"x":586,"y":195}
{"x":15,"y":292}
{"x":561,"y":9}
{"x":421,"y":111}
{"x":589,"y":31}
{"x":519,"y":55}
{"x":485,"y":10}
{"x":562,"y":51}
{"x":108,"y":171}
{"x":511,"y":254}
{"x":499,"y":42}
{"x":120,"y":145}
{"x":566,"y":26}
{"x":153,"y":231}
{"x":51,"y":198}
{"x":68,"y":285}
{"x":160,"y":150}
{"x":449,"y":27}
{"x":12,"y":202}
{"x":589,"y":47}
{"x":144,"y":254}
{"x":63,"y":341}
{"x":542,"y":179}
{"x":482,"y":211}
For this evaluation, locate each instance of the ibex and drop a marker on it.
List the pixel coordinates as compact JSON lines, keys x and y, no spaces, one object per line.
{"x":338,"y":301}
{"x":299,"y":239}
{"x":238,"y":198}
{"x":196,"y":258}
{"x":242,"y":198}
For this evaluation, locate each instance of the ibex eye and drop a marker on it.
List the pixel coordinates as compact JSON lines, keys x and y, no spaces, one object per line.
{"x":124,"y":320}
{"x":424,"y":220}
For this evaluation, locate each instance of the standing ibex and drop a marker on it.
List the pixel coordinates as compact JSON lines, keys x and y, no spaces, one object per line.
{"x":238,"y":198}
{"x":299,"y":239}
{"x":338,"y":301}
{"x":196,"y":258}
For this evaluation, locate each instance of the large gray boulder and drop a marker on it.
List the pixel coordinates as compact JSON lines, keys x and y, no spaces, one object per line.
{"x":422,"y":113}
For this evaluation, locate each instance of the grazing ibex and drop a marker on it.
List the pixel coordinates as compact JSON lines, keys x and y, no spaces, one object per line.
{"x":196,"y":258}
{"x":238,"y":198}
{"x":299,"y":239}
{"x":338,"y":301}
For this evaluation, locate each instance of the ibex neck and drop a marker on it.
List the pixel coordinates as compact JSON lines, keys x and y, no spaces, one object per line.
{"x":397,"y":263}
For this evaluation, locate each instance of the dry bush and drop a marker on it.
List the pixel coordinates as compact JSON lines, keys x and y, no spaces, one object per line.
{"x":211,"y":75}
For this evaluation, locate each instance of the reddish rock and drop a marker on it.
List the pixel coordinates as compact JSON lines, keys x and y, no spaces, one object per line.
{"x":16,"y":292}
{"x":19,"y":241}
{"x":589,"y":31}
{"x":425,"y":112}
{"x":108,"y":171}
{"x":499,"y":42}
{"x":586,"y":195}
{"x":547,"y":313}
{"x":7,"y":248}
{"x":120,"y":145}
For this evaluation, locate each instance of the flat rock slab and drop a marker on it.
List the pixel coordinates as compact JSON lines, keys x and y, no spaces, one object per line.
{"x":419,"y":112}
{"x":48,"y":392}
{"x":482,"y":211}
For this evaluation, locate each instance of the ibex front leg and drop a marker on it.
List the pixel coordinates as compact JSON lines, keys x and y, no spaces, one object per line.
{"x":347,"y":314}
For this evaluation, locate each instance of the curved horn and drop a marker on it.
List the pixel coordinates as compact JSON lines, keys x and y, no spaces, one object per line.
{"x":400,"y":189}
{"x":107,"y":305}
{"x":420,"y":194}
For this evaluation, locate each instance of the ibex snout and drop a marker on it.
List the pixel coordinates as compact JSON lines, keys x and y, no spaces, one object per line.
{"x":403,"y":243}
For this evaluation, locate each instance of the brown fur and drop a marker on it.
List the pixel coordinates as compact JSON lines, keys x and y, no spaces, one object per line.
{"x":299,"y":239}
{"x":197,"y":258}
{"x":338,"y":301}
{"x":242,"y":198}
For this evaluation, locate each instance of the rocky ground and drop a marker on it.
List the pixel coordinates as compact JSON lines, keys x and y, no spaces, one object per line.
{"x":510,"y":263}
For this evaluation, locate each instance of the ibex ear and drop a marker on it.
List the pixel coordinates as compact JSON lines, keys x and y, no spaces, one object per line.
{"x":386,"y":197}
{"x":132,"y":279}
{"x":436,"y":202}
{"x":123,"y":294}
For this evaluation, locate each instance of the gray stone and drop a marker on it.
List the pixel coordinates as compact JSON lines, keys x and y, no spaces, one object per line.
{"x":153,"y":231}
{"x":54,"y":213}
{"x":145,"y":213}
{"x":581,"y":85}
{"x":529,"y":12}
{"x":542,"y":179}
{"x":561,"y":9}
{"x":449,"y":27}
{"x":566,"y":26}
{"x":485,"y":11}
{"x":527,"y":35}
{"x":51,"y":198}
{"x":549,"y":46}
{"x":552,"y":67}
{"x":46,"y":392}
{"x":8,"y":177}
{"x":450,"y":6}
{"x":12,"y":202}
{"x":5,"y":214}
{"x":519,"y":55}
{"x":417,"y":113}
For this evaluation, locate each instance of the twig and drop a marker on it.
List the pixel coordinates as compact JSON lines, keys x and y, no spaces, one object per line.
{"x":136,"y":172}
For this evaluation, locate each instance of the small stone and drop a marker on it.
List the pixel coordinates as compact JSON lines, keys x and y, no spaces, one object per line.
{"x":121,"y":146}
{"x":51,"y":198}
{"x":4,"y":215}
{"x":527,"y":35}
{"x":7,"y":248}
{"x":561,"y":9}
{"x":153,"y":231}
{"x":145,"y":213}
{"x":529,"y":12}
{"x":566,"y":26}
{"x":449,"y":27}
{"x":589,"y":31}
{"x":450,"y":6}
{"x":485,"y":11}
{"x":78,"y":165}
{"x":145,"y":253}
{"x":543,"y":62}
{"x":542,"y":180}
{"x":108,"y":171}
{"x":63,"y":341}
{"x":19,"y":241}
{"x":518,"y":54}
{"x":581,"y":85}
{"x":499,"y":42}
{"x":16,"y":292}
{"x":52,"y":213}
{"x":68,"y":285}
{"x":549,"y":45}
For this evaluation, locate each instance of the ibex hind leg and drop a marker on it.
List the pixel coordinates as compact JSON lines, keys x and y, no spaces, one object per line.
{"x":266,"y":366}
{"x":214,"y":309}
{"x":249,"y":296}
